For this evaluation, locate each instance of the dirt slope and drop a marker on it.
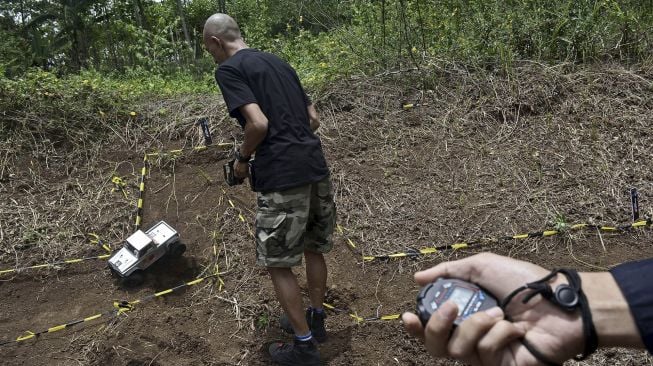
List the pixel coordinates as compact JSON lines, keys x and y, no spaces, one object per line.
{"x":482,"y":156}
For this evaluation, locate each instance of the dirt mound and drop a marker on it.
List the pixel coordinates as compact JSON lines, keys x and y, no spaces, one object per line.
{"x":478,"y":156}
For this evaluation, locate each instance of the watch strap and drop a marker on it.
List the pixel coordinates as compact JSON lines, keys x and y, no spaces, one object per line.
{"x":241,"y":158}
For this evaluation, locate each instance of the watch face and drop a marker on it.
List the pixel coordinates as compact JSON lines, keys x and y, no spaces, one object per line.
{"x":566,"y":296}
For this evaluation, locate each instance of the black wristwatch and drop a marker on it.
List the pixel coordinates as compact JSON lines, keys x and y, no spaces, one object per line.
{"x":240,"y":158}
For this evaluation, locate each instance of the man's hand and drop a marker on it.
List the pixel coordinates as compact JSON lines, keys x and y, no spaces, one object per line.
{"x":486,"y":338}
{"x":241,"y":170}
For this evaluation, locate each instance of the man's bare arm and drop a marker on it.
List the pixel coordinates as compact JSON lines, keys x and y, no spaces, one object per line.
{"x":313,"y":117}
{"x":256,"y":128}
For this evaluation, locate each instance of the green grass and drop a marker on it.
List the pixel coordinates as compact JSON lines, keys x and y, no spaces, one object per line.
{"x":78,"y":98}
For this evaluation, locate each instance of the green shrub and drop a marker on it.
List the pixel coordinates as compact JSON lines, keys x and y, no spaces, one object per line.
{"x":81,"y":106}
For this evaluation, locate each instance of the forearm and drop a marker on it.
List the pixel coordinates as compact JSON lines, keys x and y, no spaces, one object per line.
{"x":313,"y":118}
{"x":611,"y":314}
{"x":255,"y":133}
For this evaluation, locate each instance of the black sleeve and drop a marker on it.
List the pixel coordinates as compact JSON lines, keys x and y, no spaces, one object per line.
{"x":235,"y":90}
{"x":635,"y":279}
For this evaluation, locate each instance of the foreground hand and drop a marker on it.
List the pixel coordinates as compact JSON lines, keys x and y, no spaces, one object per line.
{"x":486,"y":338}
{"x":241,"y":170}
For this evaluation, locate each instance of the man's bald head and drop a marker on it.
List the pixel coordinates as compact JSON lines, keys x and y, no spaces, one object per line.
{"x":221,"y":26}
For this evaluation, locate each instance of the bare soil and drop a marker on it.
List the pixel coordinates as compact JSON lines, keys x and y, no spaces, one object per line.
{"x":483,"y":155}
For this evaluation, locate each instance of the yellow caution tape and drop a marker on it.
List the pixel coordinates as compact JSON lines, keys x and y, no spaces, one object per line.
{"x":118,"y":185}
{"x":640,"y":223}
{"x":350,"y":242}
{"x":240,"y":213}
{"x":129,"y":305}
{"x":141,"y":191}
{"x":165,"y":292}
{"x":123,"y":305}
{"x":29,"y":334}
{"x":197,"y":148}
{"x":93,"y":317}
{"x":546,"y":233}
{"x":26,"y":337}
{"x":57,"y":328}
{"x":96,"y":240}
{"x":55,"y":264}
{"x":357,"y":318}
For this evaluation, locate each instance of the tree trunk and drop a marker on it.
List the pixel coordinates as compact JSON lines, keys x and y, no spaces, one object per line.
{"x":421,"y":26}
{"x":182,"y":17}
{"x":113,"y":56}
{"x":139,"y":10}
{"x":76,"y":59}
{"x":22,"y":13}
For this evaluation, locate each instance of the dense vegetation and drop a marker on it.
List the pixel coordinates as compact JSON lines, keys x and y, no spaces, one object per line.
{"x":104,"y":54}
{"x":164,"y":36}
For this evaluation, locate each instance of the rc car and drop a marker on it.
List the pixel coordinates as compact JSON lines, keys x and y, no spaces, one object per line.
{"x":142,"y":249}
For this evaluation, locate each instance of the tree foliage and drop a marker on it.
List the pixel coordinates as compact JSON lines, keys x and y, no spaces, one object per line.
{"x":69,"y":67}
{"x":322,"y":39}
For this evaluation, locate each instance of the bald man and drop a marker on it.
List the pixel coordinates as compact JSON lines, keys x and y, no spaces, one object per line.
{"x":295,"y":209}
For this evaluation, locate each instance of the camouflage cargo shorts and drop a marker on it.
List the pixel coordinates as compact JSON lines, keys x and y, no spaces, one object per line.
{"x":291,"y":221}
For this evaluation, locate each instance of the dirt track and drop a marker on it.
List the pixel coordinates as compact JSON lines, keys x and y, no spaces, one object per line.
{"x":481,"y":157}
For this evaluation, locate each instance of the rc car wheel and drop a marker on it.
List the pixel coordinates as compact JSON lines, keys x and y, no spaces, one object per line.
{"x":177,"y":249}
{"x":134,"y":279}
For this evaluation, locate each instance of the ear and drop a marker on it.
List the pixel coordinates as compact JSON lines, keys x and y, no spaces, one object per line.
{"x":217,"y":40}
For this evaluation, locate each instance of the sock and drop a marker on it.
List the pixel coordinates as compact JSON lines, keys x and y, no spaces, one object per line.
{"x":319,"y":310}
{"x":304,"y":338}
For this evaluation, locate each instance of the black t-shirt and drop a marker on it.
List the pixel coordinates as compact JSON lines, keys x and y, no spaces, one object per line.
{"x":290,"y":155}
{"x":635,"y":279}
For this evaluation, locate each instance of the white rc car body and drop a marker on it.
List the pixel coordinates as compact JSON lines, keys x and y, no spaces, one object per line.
{"x":141,"y":249}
